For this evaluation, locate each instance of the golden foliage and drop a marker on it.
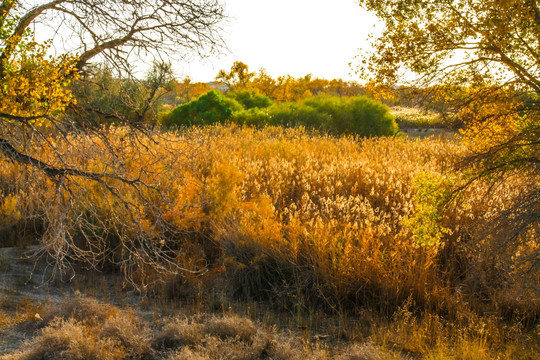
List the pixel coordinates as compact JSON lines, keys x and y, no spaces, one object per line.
{"x":353,"y":215}
{"x":284,"y":88}
{"x":34,"y":83}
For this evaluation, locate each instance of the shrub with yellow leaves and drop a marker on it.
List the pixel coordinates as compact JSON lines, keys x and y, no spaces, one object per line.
{"x":289,"y":213}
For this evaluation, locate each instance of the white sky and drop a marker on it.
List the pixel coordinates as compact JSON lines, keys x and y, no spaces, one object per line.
{"x":295,"y":37}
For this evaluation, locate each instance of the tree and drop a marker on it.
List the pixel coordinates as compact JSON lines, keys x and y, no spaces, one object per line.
{"x":38,"y":131}
{"x":264,"y":83}
{"x":186,"y":90}
{"x":104,"y":96}
{"x":237,"y":78}
{"x":487,"y":52}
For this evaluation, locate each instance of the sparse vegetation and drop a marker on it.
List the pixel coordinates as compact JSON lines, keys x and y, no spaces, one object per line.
{"x":83,"y":328}
{"x":119,"y":334}
{"x":410,"y":117}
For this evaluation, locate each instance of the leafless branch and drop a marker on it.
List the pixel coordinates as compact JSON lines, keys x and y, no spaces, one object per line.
{"x":134,"y":235}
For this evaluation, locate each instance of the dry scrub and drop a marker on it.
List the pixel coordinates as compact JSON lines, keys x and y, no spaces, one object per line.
{"x":297,"y":218}
{"x":82,"y":328}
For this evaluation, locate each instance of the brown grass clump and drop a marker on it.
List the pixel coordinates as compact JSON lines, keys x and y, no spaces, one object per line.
{"x":363,"y":352}
{"x":188,"y":354}
{"x":227,"y":337}
{"x":82,"y":308}
{"x":179,"y":332}
{"x":133,"y":335}
{"x":231,"y":327}
{"x":182,"y":331}
{"x":69,"y":340}
{"x":83,"y":328}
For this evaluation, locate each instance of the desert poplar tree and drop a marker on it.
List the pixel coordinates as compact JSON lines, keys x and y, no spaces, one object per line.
{"x":482,"y":57}
{"x":43,"y":133}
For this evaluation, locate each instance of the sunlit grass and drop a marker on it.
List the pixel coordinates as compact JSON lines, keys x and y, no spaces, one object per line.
{"x":414,"y":117}
{"x":307,"y":221}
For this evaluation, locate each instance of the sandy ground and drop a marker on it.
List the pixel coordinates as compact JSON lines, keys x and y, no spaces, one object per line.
{"x":23,"y":280}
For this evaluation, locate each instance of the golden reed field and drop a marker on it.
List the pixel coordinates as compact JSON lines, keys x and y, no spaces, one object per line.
{"x":300,"y":220}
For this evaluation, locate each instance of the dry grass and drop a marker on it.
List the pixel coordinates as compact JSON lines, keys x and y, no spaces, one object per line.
{"x":84,"y":328}
{"x":119,"y":334}
{"x":69,"y":340}
{"x":179,"y":332}
{"x":365,"y":352}
{"x":413,"y":117}
{"x":304,"y":221}
{"x":286,"y":212}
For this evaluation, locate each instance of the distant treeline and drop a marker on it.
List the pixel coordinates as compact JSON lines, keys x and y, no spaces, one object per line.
{"x":253,"y":98}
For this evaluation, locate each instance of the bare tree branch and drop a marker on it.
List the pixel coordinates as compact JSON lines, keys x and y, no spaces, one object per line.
{"x":73,"y":148}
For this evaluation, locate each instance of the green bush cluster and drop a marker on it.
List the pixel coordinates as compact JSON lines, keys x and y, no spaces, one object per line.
{"x":358,"y":115}
{"x":251,"y":117}
{"x":251,"y":99}
{"x":208,"y":109}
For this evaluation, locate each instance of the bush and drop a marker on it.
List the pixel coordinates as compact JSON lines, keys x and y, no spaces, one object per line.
{"x":296,"y":114}
{"x":210,"y":108}
{"x":253,"y":116}
{"x":358,"y":115}
{"x":250,"y":99}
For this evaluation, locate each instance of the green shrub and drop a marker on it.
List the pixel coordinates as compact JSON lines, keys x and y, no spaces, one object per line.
{"x":253,"y":117}
{"x":210,"y":108}
{"x":431,"y":193}
{"x":250,"y":99}
{"x":297,"y":114}
{"x":358,"y":115}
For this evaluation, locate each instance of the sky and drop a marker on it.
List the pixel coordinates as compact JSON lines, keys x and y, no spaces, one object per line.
{"x":296,"y":37}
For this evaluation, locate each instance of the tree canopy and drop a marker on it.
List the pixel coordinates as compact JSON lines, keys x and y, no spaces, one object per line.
{"x":35,"y":83}
{"x":285,"y":87}
{"x":40,"y":118}
{"x":483,"y":58}
{"x":466,"y":40}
